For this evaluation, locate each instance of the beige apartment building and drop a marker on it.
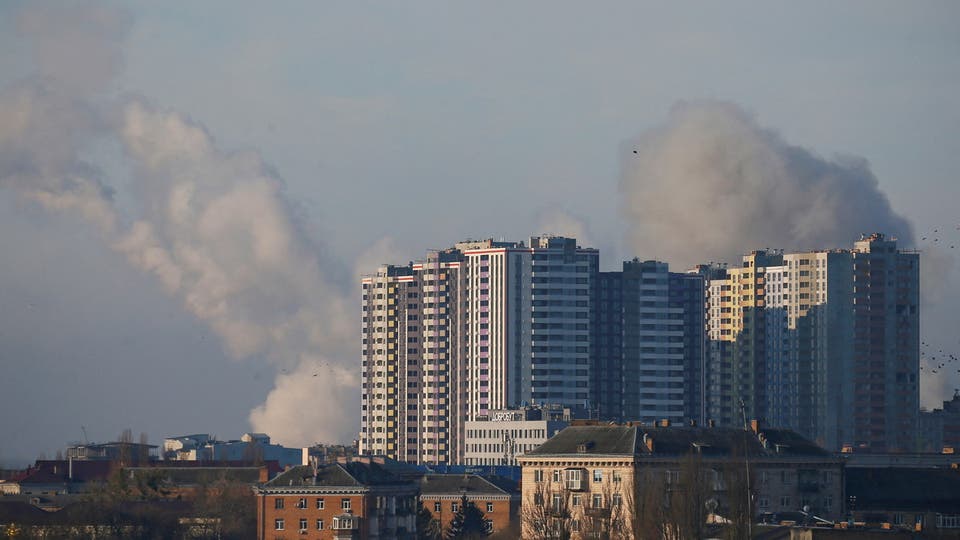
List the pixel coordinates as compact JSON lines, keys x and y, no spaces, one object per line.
{"x":592,"y":479}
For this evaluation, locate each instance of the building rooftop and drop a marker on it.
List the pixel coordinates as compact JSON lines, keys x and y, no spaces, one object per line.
{"x":469,"y":484}
{"x":628,"y":440}
{"x":349,"y":474}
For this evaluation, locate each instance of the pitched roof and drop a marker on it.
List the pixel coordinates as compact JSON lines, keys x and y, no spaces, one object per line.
{"x":201,"y":475}
{"x":628,"y":440}
{"x":596,"y":440}
{"x":354,"y":473}
{"x":454,"y":484}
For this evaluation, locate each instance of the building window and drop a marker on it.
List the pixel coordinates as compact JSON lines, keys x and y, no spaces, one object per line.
{"x":454,"y":506}
{"x":489,"y":507}
{"x":319,"y":504}
{"x":278,"y":504}
{"x":557,"y":503}
{"x":302,"y":503}
{"x":538,"y":475}
{"x":556,"y":475}
{"x":828,"y":502}
{"x":345,"y":504}
{"x":597,"y":500}
{"x":574,"y":479}
{"x":597,"y":475}
{"x":617,"y":499}
{"x":576,"y":500}
{"x":437,"y":507}
{"x":303,"y":524}
{"x":784,"y":502}
{"x":948,"y":521}
{"x":319,"y":524}
{"x":616,"y":477}
{"x":278,"y":524}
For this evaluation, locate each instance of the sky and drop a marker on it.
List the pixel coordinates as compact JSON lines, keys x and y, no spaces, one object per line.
{"x":189,"y":192}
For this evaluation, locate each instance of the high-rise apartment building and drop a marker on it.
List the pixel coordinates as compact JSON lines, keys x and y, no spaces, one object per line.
{"x":412,"y":360}
{"x":649,"y":344}
{"x":825,"y":343}
{"x":886,"y":370}
{"x":482,"y":326}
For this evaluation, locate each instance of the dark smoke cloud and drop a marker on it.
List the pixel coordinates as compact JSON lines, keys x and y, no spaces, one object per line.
{"x":712,"y":184}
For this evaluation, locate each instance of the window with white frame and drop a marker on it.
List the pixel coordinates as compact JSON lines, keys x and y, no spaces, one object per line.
{"x":597,"y":475}
{"x":574,"y":479}
{"x":597,"y":500}
{"x":278,"y":524}
{"x":949,"y":521}
{"x":489,"y":507}
{"x":345,"y":504}
{"x":303,"y":524}
{"x":319,"y":504}
{"x":302,"y":502}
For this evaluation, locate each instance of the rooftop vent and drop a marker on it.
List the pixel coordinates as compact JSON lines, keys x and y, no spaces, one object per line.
{"x":584,"y":447}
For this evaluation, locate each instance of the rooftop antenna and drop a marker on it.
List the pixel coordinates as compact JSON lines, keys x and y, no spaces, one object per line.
{"x":84,"y":430}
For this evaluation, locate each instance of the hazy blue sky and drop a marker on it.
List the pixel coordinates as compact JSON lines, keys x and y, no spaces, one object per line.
{"x":399,"y":127}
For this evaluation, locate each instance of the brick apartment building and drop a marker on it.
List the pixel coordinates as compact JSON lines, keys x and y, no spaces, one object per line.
{"x":358,"y":500}
{"x":498,"y":498}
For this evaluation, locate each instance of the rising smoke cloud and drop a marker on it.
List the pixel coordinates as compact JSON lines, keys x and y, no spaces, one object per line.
{"x":712,"y":184}
{"x":212,"y":226}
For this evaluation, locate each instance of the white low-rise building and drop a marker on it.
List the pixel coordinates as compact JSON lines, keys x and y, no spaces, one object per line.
{"x":506,"y":434}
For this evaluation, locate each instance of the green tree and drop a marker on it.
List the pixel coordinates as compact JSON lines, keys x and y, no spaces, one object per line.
{"x":468,"y":522}
{"x":428,"y":527}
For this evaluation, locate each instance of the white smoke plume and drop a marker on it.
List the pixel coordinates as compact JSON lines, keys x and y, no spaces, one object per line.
{"x":212,"y":226}
{"x":712,"y":184}
{"x":563,"y":223}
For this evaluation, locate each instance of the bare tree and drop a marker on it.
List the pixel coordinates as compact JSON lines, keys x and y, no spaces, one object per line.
{"x":143,"y":452}
{"x":688,"y":495}
{"x":546,"y":514}
{"x":645,"y":499}
{"x":739,"y":500}
{"x":604,"y":515}
{"x":126,"y":441}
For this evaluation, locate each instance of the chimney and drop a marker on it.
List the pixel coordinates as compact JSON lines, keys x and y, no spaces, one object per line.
{"x":755,"y":426}
{"x":648,"y":442}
